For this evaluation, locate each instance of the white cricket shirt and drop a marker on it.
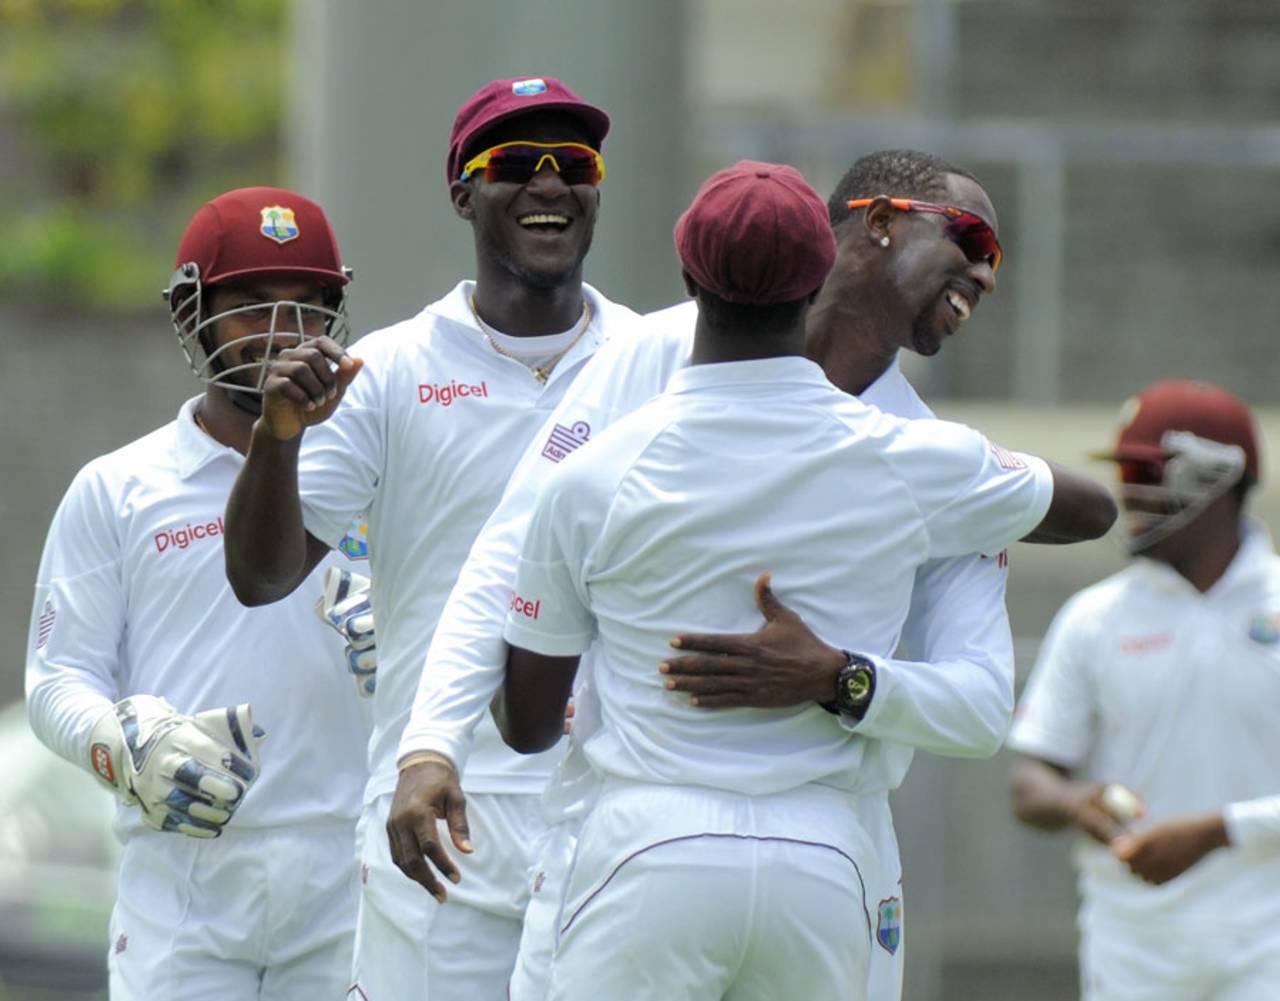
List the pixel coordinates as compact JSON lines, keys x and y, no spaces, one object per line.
{"x":132,"y":597}
{"x":661,"y":524}
{"x":1145,"y":681}
{"x":423,"y":442}
{"x":955,"y":696}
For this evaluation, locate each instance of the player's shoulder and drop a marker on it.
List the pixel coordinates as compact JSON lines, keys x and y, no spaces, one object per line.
{"x":105,"y":480}
{"x":1095,"y":606}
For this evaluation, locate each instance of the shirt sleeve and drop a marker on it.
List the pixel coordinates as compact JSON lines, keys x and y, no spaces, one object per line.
{"x":550,"y":610}
{"x":77,"y":622}
{"x":342,"y":459}
{"x":953,"y":694}
{"x":975,"y":497}
{"x":1254,"y":823}
{"x":1057,"y":717}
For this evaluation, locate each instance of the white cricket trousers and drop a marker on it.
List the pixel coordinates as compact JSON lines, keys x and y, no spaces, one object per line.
{"x":530,"y":981}
{"x":1123,"y":959}
{"x":410,"y":947}
{"x":252,"y":914}
{"x":693,"y":894}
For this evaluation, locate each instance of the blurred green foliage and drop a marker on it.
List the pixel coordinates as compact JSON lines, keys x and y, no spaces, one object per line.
{"x":121,"y":116}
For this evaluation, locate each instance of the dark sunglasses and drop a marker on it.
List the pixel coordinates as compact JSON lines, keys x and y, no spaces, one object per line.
{"x":519,"y":162}
{"x":966,"y":230}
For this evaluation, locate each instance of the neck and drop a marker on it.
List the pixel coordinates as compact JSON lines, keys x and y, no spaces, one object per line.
{"x":223,"y":420}
{"x":522,"y":310}
{"x":845,"y":334}
{"x":1204,"y":549}
{"x":717,"y":344}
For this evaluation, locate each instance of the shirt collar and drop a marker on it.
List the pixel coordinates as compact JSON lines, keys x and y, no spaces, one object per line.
{"x":456,"y":307}
{"x":1251,"y":561}
{"x":195,"y":448}
{"x":758,"y":371}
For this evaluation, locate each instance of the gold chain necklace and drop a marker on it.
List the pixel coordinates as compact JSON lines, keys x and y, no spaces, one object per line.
{"x":540,"y":372}
{"x":200,"y":422}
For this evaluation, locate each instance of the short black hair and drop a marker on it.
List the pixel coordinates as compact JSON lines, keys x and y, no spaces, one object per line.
{"x":899,"y":173}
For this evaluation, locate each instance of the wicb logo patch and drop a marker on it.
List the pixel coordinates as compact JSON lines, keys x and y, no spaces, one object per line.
{"x":279,"y":224}
{"x":355,"y":544}
{"x":889,"y":924}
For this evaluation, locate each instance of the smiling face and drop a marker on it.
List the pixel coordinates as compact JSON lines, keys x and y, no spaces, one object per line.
{"x":940,"y":286}
{"x":537,"y":232}
{"x":253,"y":320}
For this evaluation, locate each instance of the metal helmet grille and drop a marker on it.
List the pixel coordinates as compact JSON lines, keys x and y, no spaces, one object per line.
{"x":277,"y":326}
{"x":1197,"y":472}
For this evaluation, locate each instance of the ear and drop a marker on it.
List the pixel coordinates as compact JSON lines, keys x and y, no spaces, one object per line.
{"x":877,"y":217}
{"x":460,"y":193}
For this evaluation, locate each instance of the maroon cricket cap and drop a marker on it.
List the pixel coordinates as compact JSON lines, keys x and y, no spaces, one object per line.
{"x":1183,"y":405}
{"x":502,"y":99}
{"x":266,"y":231}
{"x":756,"y":233}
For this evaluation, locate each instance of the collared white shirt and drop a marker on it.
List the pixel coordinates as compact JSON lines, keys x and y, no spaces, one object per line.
{"x":132,"y":597}
{"x":955,"y":696}
{"x":661,"y":525}
{"x":423,"y":442}
{"x":1146,"y":681}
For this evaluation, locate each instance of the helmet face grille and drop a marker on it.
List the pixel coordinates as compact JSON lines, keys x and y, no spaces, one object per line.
{"x":242,"y":363}
{"x":1197,"y":472}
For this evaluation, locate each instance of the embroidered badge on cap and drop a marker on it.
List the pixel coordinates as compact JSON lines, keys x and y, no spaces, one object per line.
{"x":1265,"y":629}
{"x":279,"y":224}
{"x":889,"y":924}
{"x":526,"y":88}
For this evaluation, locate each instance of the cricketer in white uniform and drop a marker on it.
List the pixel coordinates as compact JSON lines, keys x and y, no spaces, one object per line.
{"x":955,"y":694}
{"x":423,"y":441}
{"x":724,"y":852}
{"x":1165,"y":678}
{"x":132,"y":606}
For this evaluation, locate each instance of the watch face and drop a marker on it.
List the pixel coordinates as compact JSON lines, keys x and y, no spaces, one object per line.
{"x":857,"y":685}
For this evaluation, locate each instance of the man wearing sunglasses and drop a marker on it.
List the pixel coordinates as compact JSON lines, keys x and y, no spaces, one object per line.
{"x":420,"y":426}
{"x":900,"y":280}
{"x":1148,"y":724}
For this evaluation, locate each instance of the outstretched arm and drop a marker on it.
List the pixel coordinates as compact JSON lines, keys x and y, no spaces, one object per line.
{"x":267,"y":548}
{"x":1081,"y":509}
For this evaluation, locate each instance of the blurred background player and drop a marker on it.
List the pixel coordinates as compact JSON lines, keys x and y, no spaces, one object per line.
{"x":902,"y":279}
{"x":420,"y":427}
{"x":135,"y":628}
{"x":727,"y":848}
{"x":1163,"y":679}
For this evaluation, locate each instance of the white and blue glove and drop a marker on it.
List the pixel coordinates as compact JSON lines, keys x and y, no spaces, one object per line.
{"x":346,"y":606}
{"x":187,"y":773}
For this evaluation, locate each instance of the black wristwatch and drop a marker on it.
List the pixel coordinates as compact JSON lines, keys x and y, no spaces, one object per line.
{"x":855,"y":687}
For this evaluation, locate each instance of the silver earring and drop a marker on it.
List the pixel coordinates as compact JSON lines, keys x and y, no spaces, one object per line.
{"x":884,"y":241}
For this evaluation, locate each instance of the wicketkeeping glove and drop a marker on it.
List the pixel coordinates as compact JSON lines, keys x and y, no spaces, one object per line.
{"x":187,"y":773}
{"x":345,"y":605}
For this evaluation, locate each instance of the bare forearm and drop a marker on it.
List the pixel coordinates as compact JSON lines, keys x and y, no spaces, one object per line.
{"x":1043,"y":797}
{"x":530,"y":706}
{"x":266,"y":545}
{"x":1081,"y":509}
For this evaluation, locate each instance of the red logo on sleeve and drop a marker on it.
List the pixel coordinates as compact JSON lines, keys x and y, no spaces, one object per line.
{"x":522,"y":606}
{"x":100,"y":756}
